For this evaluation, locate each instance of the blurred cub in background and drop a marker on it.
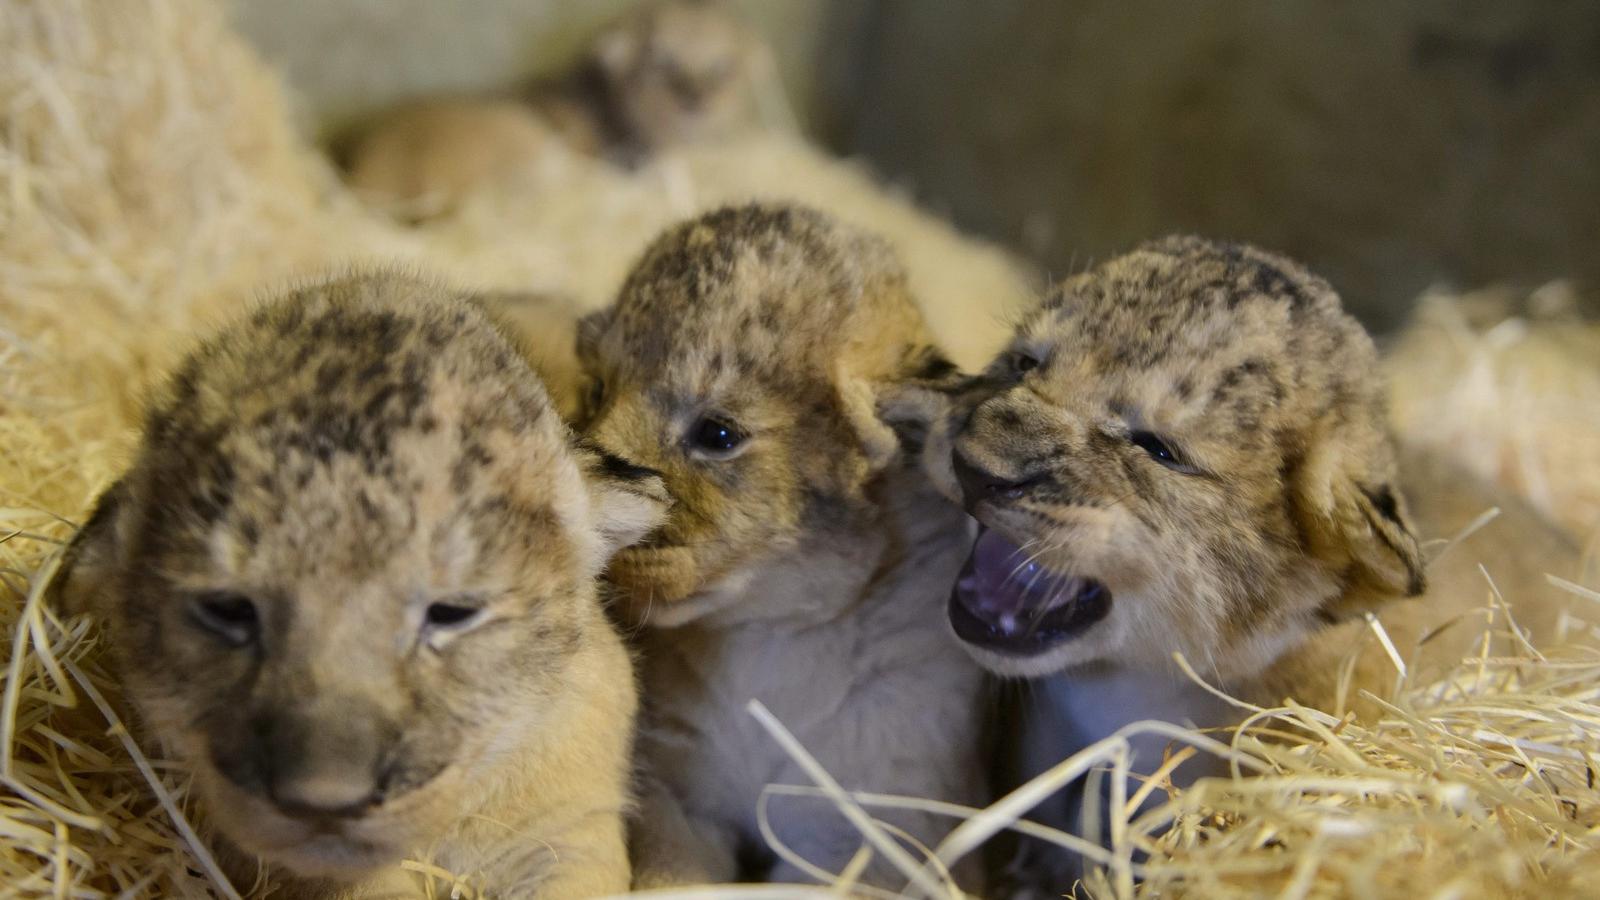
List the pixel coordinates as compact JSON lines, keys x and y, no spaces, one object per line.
{"x":349,"y":581}
{"x":752,"y":357}
{"x":672,"y":72}
{"x":1186,"y":450}
{"x":668,"y":73}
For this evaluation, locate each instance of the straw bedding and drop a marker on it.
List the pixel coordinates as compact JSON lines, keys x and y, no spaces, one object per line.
{"x":1508,"y":383}
{"x":151,"y":183}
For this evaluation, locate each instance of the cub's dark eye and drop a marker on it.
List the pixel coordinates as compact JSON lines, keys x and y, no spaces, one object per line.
{"x":1159,"y":450}
{"x":450,"y":615}
{"x":1023,"y":363}
{"x":715,"y":436}
{"x":227,"y":615}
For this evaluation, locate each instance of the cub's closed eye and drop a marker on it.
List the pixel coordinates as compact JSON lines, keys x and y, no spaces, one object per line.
{"x":229,"y":615}
{"x":451,"y":615}
{"x":715,"y":437}
{"x":1159,"y":450}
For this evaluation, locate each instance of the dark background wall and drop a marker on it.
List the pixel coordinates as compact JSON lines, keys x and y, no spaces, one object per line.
{"x":1391,"y":144}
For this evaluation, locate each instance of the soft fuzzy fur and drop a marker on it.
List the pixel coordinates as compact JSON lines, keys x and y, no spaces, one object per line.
{"x":155,"y":185}
{"x":805,"y":566}
{"x":1277,"y":517}
{"x":349,"y":583}
{"x":670,"y":73}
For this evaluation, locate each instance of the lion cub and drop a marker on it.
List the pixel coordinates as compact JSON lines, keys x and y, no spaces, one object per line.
{"x":349,"y":581}
{"x":1185,"y":450}
{"x":669,"y":73}
{"x":805,"y":562}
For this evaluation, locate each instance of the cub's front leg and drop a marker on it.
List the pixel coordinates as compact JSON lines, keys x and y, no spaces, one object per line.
{"x":591,"y":862}
{"x":673,"y":846}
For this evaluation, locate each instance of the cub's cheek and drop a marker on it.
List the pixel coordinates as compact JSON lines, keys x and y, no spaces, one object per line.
{"x":645,"y":577}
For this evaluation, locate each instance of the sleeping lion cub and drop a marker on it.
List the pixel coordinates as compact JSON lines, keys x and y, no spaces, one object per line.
{"x":1185,"y":450}
{"x":349,"y":582}
{"x":668,"y":73}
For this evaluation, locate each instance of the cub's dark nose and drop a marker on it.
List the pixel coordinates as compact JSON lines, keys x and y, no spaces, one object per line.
{"x":323,"y":766}
{"x":978,"y":484}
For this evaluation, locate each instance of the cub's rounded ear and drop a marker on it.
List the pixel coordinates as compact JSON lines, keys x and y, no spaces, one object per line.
{"x":629,"y":501}
{"x":1351,"y":510}
{"x":92,"y":558}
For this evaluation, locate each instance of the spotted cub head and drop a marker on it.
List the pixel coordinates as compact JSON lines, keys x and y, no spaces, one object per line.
{"x":1184,"y":449}
{"x":748,"y":359}
{"x":679,"y":71}
{"x":352,"y":566}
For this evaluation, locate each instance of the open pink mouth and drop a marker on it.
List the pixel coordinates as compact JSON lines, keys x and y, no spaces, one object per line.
{"x":1005,"y":602}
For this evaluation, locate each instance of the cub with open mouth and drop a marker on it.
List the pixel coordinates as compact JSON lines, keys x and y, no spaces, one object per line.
{"x":751,"y":358}
{"x":349,"y":583}
{"x":1185,"y":451}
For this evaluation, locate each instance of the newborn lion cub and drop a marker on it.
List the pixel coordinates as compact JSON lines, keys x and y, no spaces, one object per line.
{"x":668,"y":73}
{"x":1185,"y":449}
{"x":806,"y":559}
{"x":349,"y":581}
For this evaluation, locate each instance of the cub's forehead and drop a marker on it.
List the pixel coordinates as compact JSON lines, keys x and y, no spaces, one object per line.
{"x":1189,"y":301}
{"x":1199,"y":327}
{"x":361,"y":404}
{"x":355,"y":360}
{"x":763,"y":289}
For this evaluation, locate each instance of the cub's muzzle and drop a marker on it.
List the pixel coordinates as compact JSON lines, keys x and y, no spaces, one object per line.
{"x":979,"y":484}
{"x":1007,"y":603}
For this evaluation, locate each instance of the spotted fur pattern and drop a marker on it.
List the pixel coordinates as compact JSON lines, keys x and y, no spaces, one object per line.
{"x":1279,"y":511}
{"x":1199,"y":427}
{"x":782,"y":324}
{"x":313,"y":485}
{"x":807,"y":565}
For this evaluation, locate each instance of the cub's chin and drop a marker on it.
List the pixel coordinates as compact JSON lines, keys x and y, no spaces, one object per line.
{"x":334,"y":857}
{"x":648,"y":580}
{"x":1016,"y":617}
{"x":665,"y":586}
{"x":340,"y":849}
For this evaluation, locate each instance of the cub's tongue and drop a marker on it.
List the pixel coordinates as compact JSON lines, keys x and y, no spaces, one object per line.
{"x":1000,"y":583}
{"x":1005,"y":601}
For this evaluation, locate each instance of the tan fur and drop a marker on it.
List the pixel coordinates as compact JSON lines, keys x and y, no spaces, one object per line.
{"x":806,"y":566}
{"x":545,"y":329}
{"x":670,"y":72}
{"x":1282,"y":523}
{"x":419,"y":161}
{"x":330,"y":469}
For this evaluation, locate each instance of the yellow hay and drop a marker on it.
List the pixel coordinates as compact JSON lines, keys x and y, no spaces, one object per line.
{"x":1510,"y":391}
{"x":151,"y":184}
